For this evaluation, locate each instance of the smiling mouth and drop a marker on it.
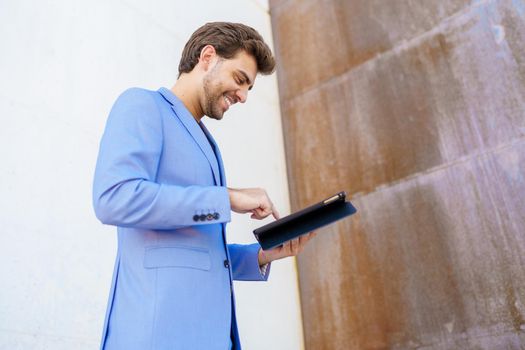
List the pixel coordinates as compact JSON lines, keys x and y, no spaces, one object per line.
{"x":228,"y":101}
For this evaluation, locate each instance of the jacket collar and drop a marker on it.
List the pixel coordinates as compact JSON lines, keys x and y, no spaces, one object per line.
{"x":195,"y":129}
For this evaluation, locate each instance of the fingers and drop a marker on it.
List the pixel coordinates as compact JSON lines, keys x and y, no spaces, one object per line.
{"x":289,"y":248}
{"x":247,"y":199}
{"x":297,"y":245}
{"x":294,"y":246}
{"x":254,"y":200}
{"x":286,"y":249}
{"x":266,"y":209}
{"x":276,"y":214}
{"x":260,"y":214}
{"x":304,"y":239}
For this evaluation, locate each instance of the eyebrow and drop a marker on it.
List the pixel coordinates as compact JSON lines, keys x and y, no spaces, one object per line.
{"x":245,"y":76}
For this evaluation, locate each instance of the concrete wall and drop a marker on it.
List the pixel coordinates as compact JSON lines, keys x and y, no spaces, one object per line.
{"x":417,"y":109}
{"x":62,"y":65}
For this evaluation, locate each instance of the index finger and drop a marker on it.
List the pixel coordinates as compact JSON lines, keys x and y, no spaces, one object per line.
{"x":275,"y":213}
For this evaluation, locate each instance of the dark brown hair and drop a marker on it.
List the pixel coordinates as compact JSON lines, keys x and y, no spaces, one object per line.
{"x":227,"y":39}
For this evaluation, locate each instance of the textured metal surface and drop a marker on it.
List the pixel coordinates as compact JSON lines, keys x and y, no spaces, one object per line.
{"x":417,"y":109}
{"x":321,"y":39}
{"x":433,"y":262}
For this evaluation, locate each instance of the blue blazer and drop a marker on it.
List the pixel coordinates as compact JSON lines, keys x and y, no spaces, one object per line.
{"x":160,"y":179}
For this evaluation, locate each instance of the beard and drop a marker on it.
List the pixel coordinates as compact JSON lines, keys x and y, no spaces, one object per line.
{"x":213,"y":94}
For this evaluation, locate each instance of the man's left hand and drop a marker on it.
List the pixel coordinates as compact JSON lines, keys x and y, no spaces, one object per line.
{"x":290,"y":248}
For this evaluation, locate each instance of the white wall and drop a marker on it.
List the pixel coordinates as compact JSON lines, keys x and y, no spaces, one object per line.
{"x":62,"y":64}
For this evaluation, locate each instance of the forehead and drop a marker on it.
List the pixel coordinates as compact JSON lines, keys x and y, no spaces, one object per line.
{"x":244,"y":62}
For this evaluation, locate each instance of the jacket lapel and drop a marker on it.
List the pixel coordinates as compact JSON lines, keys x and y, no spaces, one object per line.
{"x":194,"y":129}
{"x":217,"y":154}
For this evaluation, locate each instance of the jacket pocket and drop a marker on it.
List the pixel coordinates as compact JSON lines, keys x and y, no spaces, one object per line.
{"x":177,"y":256}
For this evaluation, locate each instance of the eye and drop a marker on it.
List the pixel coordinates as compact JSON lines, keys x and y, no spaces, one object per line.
{"x":239,"y":79}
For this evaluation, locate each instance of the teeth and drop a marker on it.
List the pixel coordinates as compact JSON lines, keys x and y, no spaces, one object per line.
{"x":228,"y":101}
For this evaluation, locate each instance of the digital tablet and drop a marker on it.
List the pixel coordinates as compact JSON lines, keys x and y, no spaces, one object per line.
{"x":324,"y":213}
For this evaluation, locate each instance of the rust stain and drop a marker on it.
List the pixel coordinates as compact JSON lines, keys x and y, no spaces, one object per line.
{"x":437,"y":50}
{"x":427,"y":139}
{"x":517,"y":318}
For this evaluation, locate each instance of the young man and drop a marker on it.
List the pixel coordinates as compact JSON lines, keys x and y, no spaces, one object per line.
{"x":160,"y":179}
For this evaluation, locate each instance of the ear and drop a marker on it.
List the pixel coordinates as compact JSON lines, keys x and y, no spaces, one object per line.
{"x":207,"y":57}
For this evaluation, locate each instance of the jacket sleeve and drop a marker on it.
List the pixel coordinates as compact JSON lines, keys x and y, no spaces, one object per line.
{"x":124,"y":190}
{"x":245,"y":262}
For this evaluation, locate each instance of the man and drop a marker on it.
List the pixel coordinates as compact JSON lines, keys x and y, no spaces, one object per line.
{"x":160,"y":179}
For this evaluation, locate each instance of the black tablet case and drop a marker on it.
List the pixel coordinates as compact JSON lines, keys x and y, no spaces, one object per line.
{"x":304,"y":221}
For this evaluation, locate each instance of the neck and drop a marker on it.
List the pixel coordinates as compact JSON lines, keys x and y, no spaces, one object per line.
{"x":185,"y":90}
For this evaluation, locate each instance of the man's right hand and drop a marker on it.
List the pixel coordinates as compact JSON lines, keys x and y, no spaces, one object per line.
{"x":252,"y":200}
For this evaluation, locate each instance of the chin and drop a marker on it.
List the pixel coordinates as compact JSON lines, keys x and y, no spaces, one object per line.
{"x":218,"y":113}
{"x":216,"y":116}
{"x":214,"y":112}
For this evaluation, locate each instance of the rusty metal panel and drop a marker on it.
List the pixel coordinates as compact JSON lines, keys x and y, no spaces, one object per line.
{"x":317,"y":40}
{"x":433,"y":262}
{"x":420,"y":116}
{"x":411,"y":109}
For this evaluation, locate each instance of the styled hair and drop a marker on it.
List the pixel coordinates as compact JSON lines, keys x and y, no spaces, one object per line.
{"x":227,"y":39}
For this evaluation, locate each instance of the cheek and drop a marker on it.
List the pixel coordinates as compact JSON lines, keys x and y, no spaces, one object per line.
{"x":219,"y":89}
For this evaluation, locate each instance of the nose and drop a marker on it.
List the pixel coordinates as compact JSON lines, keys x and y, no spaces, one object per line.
{"x":242,"y":95}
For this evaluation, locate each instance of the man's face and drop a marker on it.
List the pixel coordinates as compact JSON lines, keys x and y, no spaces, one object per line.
{"x":227,"y":83}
